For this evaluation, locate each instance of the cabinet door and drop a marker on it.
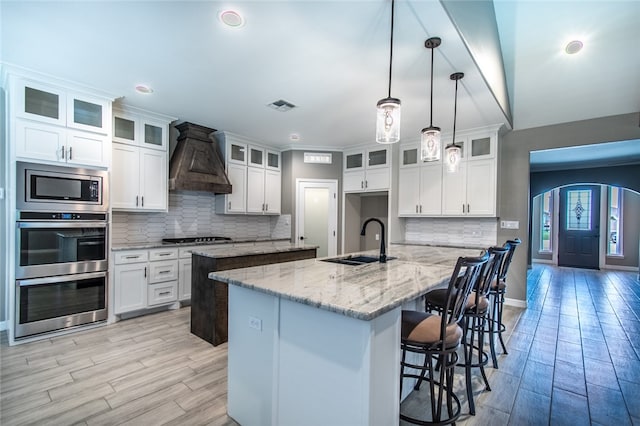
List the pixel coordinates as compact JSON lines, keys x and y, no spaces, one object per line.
{"x":272,"y":191}
{"x":481,"y":147}
{"x":377,"y":179}
{"x":255,"y":190}
{"x":40,"y":102}
{"x":125,"y":177}
{"x":431,"y":190}
{"x":409,"y":191}
{"x":378,"y":157}
{"x":273,"y":160}
{"x":125,"y":128}
{"x":409,"y":155}
{"x":163,"y":270}
{"x":154,"y":135}
{"x":481,"y":188}
{"x":236,"y":153}
{"x":354,"y":161}
{"x":184,"y":282}
{"x":40,"y":141}
{"x":236,"y":201}
{"x":153,"y":179}
{"x":256,"y":157}
{"x":88,"y":113}
{"x":454,"y":197}
{"x":89,"y":149}
{"x":130,"y":290}
{"x":353,"y":182}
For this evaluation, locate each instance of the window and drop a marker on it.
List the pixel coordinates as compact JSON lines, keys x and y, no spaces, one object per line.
{"x":546,"y":212}
{"x":614,"y":221}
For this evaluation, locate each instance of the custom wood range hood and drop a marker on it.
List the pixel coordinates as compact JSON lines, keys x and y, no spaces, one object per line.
{"x":196,"y":163}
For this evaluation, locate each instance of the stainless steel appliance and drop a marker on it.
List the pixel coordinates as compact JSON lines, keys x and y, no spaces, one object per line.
{"x":61,"y":248}
{"x":42,"y":187}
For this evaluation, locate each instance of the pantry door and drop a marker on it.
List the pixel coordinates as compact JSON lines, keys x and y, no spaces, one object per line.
{"x":317,"y":215}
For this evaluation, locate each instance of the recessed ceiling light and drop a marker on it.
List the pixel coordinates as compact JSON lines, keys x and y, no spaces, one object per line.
{"x":231,"y":18}
{"x":294,"y":137}
{"x":573,"y":47}
{"x":144,"y":89}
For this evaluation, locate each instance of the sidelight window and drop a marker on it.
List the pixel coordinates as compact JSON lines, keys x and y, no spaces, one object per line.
{"x":546,"y":224}
{"x":614,"y":221}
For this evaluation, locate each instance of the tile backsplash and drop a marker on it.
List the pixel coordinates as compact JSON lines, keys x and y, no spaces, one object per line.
{"x":193,"y":214}
{"x":480,"y":232}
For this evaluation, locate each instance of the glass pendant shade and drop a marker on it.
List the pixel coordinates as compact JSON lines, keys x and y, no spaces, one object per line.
{"x":453,"y":155}
{"x":388,"y":121}
{"x":430,"y":144}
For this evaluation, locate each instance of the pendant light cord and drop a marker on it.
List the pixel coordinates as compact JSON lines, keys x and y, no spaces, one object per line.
{"x":455,"y":114}
{"x":391,"y":47}
{"x":431,"y":94}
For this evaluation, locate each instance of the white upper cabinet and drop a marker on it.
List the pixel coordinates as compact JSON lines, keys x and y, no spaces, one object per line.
{"x":51,"y":123}
{"x":367,"y":170}
{"x":255,"y":175}
{"x":137,"y":128}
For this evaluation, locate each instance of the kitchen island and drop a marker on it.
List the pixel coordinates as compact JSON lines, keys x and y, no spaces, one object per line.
{"x":318,"y":343}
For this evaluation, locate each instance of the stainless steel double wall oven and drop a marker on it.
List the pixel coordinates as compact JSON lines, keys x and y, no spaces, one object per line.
{"x":61,"y":248}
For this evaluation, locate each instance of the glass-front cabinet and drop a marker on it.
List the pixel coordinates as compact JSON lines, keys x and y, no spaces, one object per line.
{"x":132,"y":128}
{"x":367,"y":169}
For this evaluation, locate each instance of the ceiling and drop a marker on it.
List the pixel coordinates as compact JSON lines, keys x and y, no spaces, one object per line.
{"x":331,"y":60}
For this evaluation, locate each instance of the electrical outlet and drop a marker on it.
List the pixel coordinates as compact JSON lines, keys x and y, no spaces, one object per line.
{"x":255,"y":323}
{"x":510,"y":224}
{"x":377,"y":237}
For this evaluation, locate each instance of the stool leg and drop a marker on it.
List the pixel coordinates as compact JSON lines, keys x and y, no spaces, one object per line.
{"x":491,"y":326}
{"x":481,"y":355}
{"x":501,"y":326}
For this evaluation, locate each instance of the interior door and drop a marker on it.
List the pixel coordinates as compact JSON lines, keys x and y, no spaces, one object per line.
{"x":579,"y":230}
{"x":317,"y":215}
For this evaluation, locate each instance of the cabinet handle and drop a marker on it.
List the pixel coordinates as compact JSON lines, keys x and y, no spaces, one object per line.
{"x":164,"y":272}
{"x":142,"y":198}
{"x":468,"y":209}
{"x":70,"y":153}
{"x":145,"y":272}
{"x":266,"y":208}
{"x":362,"y":184}
{"x":136,"y":201}
{"x":262,"y":206}
{"x":164,"y":254}
{"x":132,"y":257}
{"x":164,"y":293}
{"x":416,"y":208}
{"x":62,"y":152}
{"x":366,"y":184}
{"x":463,"y":208}
{"x":420,"y":208}
{"x":229,"y":205}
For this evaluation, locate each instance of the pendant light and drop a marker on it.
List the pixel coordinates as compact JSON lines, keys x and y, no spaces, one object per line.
{"x":388,"y":114}
{"x":453,"y":151}
{"x":430,"y":136}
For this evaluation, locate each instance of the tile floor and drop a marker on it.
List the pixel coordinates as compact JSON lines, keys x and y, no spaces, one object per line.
{"x":574,"y":354}
{"x":574,"y":358}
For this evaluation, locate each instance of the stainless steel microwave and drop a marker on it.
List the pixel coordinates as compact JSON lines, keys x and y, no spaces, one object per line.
{"x":42,"y":187}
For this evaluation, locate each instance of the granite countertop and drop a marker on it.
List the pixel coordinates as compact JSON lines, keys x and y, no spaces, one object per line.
{"x":420,"y":243}
{"x":276,"y":247}
{"x":364,"y":291}
{"x":159,"y":244}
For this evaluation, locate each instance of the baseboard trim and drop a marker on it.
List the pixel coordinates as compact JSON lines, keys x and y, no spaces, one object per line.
{"x":621,"y":268}
{"x":546,"y":261}
{"x":517,"y":303}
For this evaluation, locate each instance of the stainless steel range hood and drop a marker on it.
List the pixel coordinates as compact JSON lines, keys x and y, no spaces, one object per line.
{"x":196,"y":163}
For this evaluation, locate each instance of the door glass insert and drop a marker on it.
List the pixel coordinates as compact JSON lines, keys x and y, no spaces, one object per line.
{"x":124,"y":129}
{"x":273,"y":160}
{"x":256,"y":156}
{"x":378,"y":158}
{"x":41,"y":103}
{"x":87,"y":113}
{"x":152,"y":135}
{"x":237,"y":153}
{"x":480,"y":147}
{"x":579,"y":210}
{"x":316,"y":219}
{"x":354,"y":161}
{"x":410,"y":156}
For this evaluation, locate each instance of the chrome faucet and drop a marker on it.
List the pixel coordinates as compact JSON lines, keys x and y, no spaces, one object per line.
{"x":383,"y":254}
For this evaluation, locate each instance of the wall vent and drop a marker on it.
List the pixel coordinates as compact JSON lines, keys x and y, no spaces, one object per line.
{"x":281,"y":105}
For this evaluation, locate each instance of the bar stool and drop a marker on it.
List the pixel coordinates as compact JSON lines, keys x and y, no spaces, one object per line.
{"x":496,"y":295}
{"x":437,"y":338}
{"x":473,"y":320}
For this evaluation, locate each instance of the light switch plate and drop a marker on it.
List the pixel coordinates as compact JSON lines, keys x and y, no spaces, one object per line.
{"x":510,"y":224}
{"x":255,"y":323}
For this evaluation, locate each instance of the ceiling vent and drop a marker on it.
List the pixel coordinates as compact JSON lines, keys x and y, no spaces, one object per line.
{"x":196,"y":164}
{"x":281,"y":105}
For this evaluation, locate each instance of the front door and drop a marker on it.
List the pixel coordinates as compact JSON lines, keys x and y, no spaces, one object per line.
{"x":579,"y":230}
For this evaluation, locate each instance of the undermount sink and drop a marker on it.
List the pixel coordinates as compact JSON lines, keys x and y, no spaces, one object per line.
{"x":355,"y":260}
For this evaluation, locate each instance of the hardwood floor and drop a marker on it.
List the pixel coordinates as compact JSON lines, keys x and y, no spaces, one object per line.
{"x":574,"y":357}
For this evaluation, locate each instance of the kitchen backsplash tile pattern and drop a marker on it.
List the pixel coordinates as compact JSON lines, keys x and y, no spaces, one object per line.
{"x":452,"y":231}
{"x":193,"y":214}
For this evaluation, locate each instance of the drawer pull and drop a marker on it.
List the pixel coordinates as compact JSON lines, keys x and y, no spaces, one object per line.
{"x":164,"y":254}
{"x":164,"y":272}
{"x":132,"y":257}
{"x":164,"y":293}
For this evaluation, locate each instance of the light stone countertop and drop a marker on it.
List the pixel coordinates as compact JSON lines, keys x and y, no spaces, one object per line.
{"x":364,"y":291}
{"x":159,"y":244}
{"x":246,"y":250}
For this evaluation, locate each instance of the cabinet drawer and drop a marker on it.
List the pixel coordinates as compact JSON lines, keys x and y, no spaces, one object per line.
{"x":124,"y":257}
{"x":158,"y":294}
{"x":163,"y":254}
{"x":163,"y":271}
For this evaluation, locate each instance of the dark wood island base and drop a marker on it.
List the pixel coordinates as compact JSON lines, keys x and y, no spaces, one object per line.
{"x":209,"y":298}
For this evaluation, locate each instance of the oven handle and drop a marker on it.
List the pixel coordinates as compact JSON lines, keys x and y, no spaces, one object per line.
{"x":61,"y":224}
{"x":59,"y":278}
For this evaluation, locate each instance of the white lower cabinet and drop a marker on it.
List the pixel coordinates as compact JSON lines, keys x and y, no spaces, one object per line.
{"x":145,"y":278}
{"x":184,"y":281}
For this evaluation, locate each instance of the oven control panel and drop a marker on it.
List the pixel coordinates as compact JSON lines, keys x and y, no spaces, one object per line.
{"x":61,"y":216}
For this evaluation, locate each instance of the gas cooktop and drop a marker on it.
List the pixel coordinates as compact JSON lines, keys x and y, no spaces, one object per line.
{"x":187,"y":240}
